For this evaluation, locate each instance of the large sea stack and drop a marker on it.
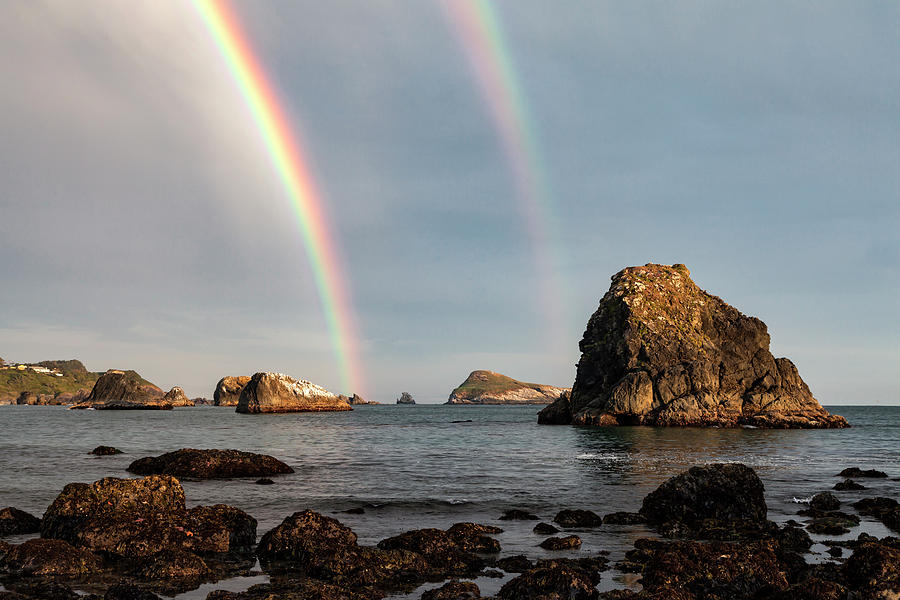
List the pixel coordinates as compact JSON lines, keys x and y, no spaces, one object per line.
{"x":487,"y":387}
{"x":661,"y":351}
{"x":277,"y":393}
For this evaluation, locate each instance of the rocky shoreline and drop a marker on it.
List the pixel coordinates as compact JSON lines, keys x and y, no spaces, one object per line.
{"x":121,"y":539}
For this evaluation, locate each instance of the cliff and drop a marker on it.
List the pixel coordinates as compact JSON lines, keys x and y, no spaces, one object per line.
{"x":228,"y":390}
{"x":487,"y":387}
{"x":125,"y":390}
{"x":73,"y":383}
{"x":661,"y":351}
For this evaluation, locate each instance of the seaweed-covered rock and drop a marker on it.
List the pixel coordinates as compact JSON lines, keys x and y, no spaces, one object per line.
{"x":228,"y":390}
{"x":824,"y":501}
{"x":278,"y":393}
{"x":173,"y":564}
{"x":886,"y":510}
{"x":136,"y":518}
{"x":545,"y":529}
{"x":578,"y":518}
{"x":127,"y":591}
{"x":731,"y":494}
{"x":51,"y":557}
{"x":848,"y":484}
{"x":304,"y":540}
{"x":454,"y":590}
{"x":661,"y":351}
{"x":105,"y":451}
{"x":623,"y":518}
{"x":561,"y":543}
{"x":210,"y":464}
{"x":857,"y":472}
{"x":17,"y":522}
{"x":874,"y":568}
{"x":553,"y":580}
{"x":515,"y":514}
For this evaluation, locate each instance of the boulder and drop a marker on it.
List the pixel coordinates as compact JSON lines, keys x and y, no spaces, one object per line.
{"x":454,"y":590}
{"x":578,"y":518}
{"x":105,"y":451}
{"x":228,"y":390}
{"x":136,"y":518}
{"x":357,"y":400}
{"x":661,"y":351}
{"x":172,"y":564}
{"x":488,"y":387}
{"x":124,"y":390}
{"x":553,"y":580}
{"x":848,"y":484}
{"x":51,"y":557}
{"x":857,"y":472}
{"x":561,"y":543}
{"x":720,"y":496}
{"x":405,"y":398}
{"x":824,"y":501}
{"x":210,"y":464}
{"x":277,"y":393}
{"x":17,"y":522}
{"x":545,"y":529}
{"x":177,"y":397}
{"x":304,"y":541}
{"x":875,"y":570}
{"x":886,"y":510}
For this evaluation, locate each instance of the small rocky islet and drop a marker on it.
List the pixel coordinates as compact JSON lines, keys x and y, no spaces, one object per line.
{"x":136,"y":538}
{"x":488,"y":387}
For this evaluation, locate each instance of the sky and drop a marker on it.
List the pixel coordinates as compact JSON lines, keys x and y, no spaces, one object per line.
{"x":142,"y":225}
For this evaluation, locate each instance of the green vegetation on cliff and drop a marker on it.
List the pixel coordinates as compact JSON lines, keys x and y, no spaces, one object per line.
{"x":14,"y":382}
{"x":482,"y":383}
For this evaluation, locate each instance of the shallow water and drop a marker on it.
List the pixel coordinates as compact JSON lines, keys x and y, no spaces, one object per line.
{"x":412,"y":467}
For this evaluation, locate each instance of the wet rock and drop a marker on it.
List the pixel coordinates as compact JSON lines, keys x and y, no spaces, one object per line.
{"x":304,"y":540}
{"x":358,"y":510}
{"x":661,"y":351}
{"x":824,"y":501}
{"x":835,"y":551}
{"x":813,"y":588}
{"x":516,"y":514}
{"x":209,"y":464}
{"x":445,"y":552}
{"x":874,"y":569}
{"x":623,"y":518}
{"x":278,"y":393}
{"x":857,"y":472}
{"x":17,"y":522}
{"x":264,"y":481}
{"x":173,"y":564}
{"x":105,"y":451}
{"x":848,"y":484}
{"x":886,"y":510}
{"x":686,"y":569}
{"x":473,"y":537}
{"x":362,"y":567}
{"x":301,"y":589}
{"x":726,"y":493}
{"x":42,"y":589}
{"x":553,"y":580}
{"x":454,"y":590}
{"x":561,"y":543}
{"x":51,"y":557}
{"x":577,"y":518}
{"x":228,"y":390}
{"x":557,"y":413}
{"x":833,"y":524}
{"x":136,"y":518}
{"x":518,"y":563}
{"x":545,"y":529}
{"x":124,"y":591}
{"x":794,"y":539}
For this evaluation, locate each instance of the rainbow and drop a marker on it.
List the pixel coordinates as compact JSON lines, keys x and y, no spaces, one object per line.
{"x":478,"y":29}
{"x":292,"y":168}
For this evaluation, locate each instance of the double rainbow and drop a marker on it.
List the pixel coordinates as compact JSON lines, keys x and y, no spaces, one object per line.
{"x":292,"y":168}
{"x":478,"y":28}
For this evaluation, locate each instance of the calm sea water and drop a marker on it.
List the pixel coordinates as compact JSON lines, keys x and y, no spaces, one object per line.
{"x":419,"y":466}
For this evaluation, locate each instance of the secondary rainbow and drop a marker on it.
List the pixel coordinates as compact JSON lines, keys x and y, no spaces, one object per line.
{"x":478,"y":28}
{"x":286,"y":154}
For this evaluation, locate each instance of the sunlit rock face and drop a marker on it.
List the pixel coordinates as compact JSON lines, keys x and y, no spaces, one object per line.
{"x":488,"y":387}
{"x":661,"y":351}
{"x":278,"y":393}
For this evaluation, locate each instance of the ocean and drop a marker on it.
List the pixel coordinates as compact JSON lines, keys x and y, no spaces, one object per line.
{"x":419,"y":466}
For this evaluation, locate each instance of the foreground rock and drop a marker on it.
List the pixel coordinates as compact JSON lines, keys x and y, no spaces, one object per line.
{"x":228,"y":390}
{"x":405,"y":398}
{"x":277,"y":393}
{"x":51,"y":557}
{"x":124,"y":390}
{"x":133,"y":519}
{"x":560,"y":579}
{"x":722,"y":501}
{"x":17,"y":522}
{"x":210,"y":464}
{"x":487,"y":387}
{"x":661,"y":351}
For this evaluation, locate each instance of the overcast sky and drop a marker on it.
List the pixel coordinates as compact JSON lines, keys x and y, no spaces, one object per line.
{"x":142,"y":225}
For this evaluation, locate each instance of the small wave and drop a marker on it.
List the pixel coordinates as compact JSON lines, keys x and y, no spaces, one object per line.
{"x":460,"y":501}
{"x":598,"y":456}
{"x":806,"y":500}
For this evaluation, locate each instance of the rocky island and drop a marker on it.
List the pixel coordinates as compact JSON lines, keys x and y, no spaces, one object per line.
{"x":488,"y":387}
{"x":53,"y":382}
{"x":278,"y":393}
{"x":661,"y":351}
{"x":127,"y":390}
{"x":405,"y":398}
